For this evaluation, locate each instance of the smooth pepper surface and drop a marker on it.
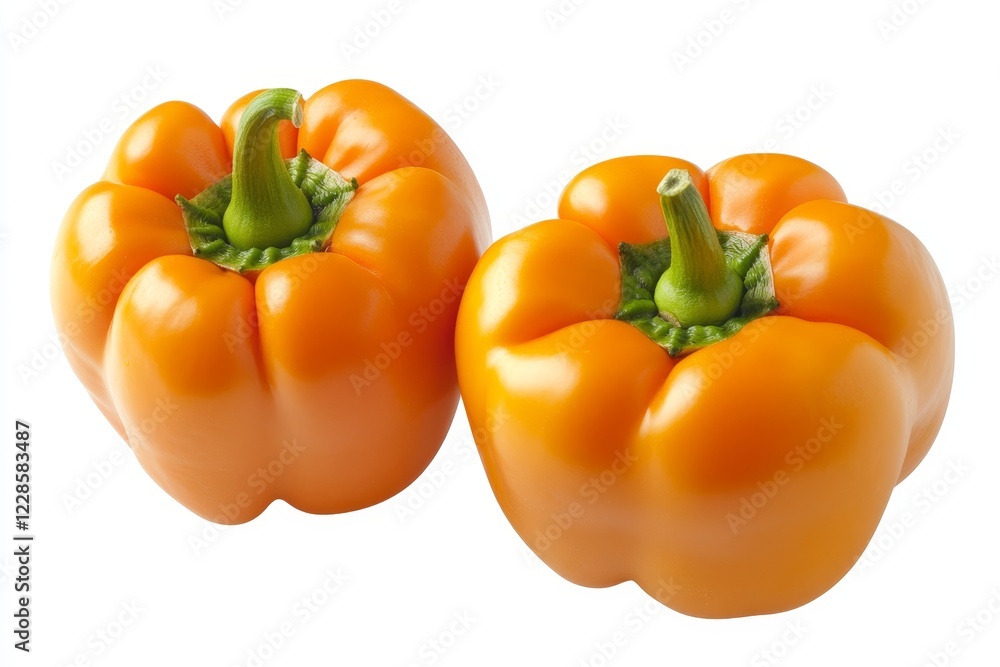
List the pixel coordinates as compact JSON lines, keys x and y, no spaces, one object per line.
{"x":326,"y":379}
{"x":742,"y":477}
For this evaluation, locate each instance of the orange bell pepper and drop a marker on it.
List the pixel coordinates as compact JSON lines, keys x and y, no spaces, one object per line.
{"x":287,"y":331}
{"x":718,"y":414}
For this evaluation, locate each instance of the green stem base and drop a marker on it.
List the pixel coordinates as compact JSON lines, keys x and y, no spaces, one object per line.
{"x":643,"y":265}
{"x":327,"y":192}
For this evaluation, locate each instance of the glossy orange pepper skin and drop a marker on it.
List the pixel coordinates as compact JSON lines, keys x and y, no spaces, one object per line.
{"x":328,"y":380}
{"x":746,"y":477}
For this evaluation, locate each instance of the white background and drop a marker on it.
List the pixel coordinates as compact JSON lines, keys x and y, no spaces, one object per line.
{"x":880,"y":95}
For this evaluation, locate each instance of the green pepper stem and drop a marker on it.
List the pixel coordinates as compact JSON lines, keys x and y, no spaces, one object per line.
{"x":698,"y":288}
{"x":267,"y":209}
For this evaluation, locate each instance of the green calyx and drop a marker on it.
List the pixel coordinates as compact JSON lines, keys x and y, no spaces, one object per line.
{"x":268,"y":209}
{"x":698,"y":286}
